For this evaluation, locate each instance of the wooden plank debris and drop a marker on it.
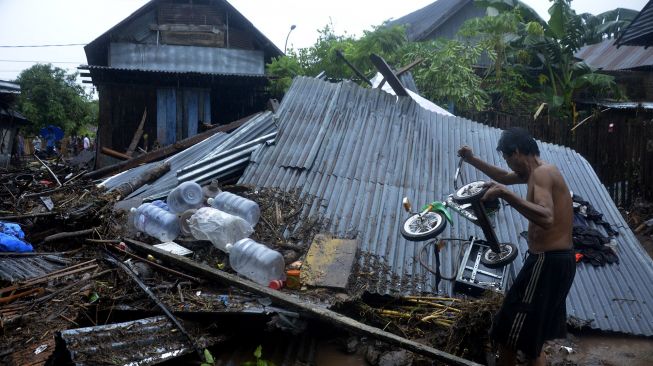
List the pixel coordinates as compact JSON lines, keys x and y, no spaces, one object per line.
{"x":389,"y":75}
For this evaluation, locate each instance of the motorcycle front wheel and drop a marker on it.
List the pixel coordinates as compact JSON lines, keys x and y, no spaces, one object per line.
{"x":423,"y":227}
{"x":507,"y":254}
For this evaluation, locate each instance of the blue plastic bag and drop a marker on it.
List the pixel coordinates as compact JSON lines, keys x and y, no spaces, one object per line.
{"x":12,"y":229}
{"x":10,"y":243}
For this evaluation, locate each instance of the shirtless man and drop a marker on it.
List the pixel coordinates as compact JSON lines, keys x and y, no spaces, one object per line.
{"x":533,"y":310}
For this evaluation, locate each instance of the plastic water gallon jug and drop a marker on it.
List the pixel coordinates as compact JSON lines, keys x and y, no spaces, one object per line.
{"x":156,"y":222}
{"x":236,"y":205}
{"x":256,"y":261}
{"x":161,"y":204}
{"x":186,"y":196}
{"x":219,"y":227}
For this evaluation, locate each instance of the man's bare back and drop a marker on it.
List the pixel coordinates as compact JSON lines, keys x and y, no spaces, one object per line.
{"x":558,"y":235}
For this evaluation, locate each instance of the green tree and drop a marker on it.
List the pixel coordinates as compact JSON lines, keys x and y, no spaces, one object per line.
{"x":497,"y":35}
{"x":321,"y":57}
{"x":554,"y":46}
{"x":50,"y":96}
{"x":446,"y":74}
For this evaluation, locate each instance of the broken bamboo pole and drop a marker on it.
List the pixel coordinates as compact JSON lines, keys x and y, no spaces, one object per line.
{"x":164,"y":152}
{"x":300,"y":305}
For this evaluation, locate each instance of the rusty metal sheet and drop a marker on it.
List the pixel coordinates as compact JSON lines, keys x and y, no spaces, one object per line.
{"x":329,"y":261}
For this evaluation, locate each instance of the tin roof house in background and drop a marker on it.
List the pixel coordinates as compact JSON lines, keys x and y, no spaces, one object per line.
{"x":9,"y":120}
{"x":442,"y":18}
{"x":640,"y":30}
{"x":175,"y":65}
{"x":631,"y":66}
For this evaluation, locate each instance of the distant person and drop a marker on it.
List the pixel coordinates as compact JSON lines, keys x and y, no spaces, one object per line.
{"x":72,"y":145}
{"x":50,"y":148}
{"x":18,"y":148}
{"x":87,"y":142}
{"x":36,"y":143}
{"x":64,"y":145}
{"x":21,"y":144}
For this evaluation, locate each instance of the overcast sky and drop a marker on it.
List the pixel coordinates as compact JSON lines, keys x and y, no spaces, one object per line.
{"x":44,"y":22}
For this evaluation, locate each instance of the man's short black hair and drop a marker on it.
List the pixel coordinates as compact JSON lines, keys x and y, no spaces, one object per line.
{"x":517,"y":138}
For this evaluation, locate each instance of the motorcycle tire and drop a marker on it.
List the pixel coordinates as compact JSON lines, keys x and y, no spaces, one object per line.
{"x":497,"y":260}
{"x":430,"y":225}
{"x":470,"y":192}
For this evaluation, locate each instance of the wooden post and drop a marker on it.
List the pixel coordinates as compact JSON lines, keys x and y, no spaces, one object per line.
{"x":137,"y":135}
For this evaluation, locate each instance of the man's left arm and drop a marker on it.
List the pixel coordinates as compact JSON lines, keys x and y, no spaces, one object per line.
{"x":540,"y":211}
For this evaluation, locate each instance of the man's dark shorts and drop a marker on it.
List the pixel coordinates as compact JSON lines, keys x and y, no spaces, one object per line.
{"x":533,"y":310}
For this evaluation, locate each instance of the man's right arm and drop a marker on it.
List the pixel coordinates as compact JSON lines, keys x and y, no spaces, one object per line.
{"x":495,"y":173}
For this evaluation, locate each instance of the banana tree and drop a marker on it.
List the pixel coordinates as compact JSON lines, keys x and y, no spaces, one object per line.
{"x":554,"y":47}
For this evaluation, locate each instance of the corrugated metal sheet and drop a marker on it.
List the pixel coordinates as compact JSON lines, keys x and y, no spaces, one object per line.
{"x":621,"y":105}
{"x":140,"y":342}
{"x":106,"y":68}
{"x":606,"y":56}
{"x":258,"y":126}
{"x":425,"y":103}
{"x":21,"y":268}
{"x":9,"y":87}
{"x":208,"y":60}
{"x":360,"y":151}
{"x":640,"y":30}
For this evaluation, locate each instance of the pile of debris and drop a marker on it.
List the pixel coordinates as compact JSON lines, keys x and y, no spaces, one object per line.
{"x":90,"y":294}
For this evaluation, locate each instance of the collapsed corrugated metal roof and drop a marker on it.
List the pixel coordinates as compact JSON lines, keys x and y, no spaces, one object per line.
{"x":361,"y":150}
{"x":140,"y":342}
{"x":606,"y":56}
{"x":222,"y":145}
{"x":24,"y":267}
